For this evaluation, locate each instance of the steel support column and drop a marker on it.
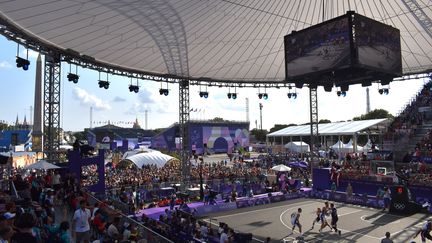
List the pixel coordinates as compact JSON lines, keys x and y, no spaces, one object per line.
{"x":51,"y":115}
{"x":313,"y":95}
{"x":183,"y":124}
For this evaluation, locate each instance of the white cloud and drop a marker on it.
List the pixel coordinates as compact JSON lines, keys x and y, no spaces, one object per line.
{"x":89,"y":99}
{"x":5,"y":64}
{"x":31,"y":54}
{"x":119,"y":99}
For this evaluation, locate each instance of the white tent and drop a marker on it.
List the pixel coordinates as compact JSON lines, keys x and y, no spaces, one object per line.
{"x":41,"y":165}
{"x":297,"y":146}
{"x":137,"y":151}
{"x":151,"y":158}
{"x":350,"y":147}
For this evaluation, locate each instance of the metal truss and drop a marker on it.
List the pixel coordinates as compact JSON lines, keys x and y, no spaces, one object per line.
{"x":419,"y":15}
{"x":183,"y":124}
{"x":313,"y":96}
{"x":51,"y":115}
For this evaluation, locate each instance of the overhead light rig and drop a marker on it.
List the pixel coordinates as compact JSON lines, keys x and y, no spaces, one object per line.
{"x":16,"y":34}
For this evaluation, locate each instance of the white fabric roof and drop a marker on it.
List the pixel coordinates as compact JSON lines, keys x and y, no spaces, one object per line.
{"x":227,"y":40}
{"x":152,"y":158}
{"x":334,"y":128}
{"x":41,"y":165}
{"x":297,"y":146}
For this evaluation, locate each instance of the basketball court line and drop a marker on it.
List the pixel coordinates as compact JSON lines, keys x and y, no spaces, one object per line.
{"x":354,"y":233}
{"x":294,"y":206}
{"x":263,"y":209}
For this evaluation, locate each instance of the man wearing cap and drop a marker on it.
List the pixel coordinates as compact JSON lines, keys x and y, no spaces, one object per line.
{"x":10,"y":217}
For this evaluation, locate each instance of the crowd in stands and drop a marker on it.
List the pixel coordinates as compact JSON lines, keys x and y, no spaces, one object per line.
{"x":406,"y":123}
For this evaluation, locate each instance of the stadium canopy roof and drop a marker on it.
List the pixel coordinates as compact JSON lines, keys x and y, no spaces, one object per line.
{"x":229,"y":41}
{"x":327,"y":129}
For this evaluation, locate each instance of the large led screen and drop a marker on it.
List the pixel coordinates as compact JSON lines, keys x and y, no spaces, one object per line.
{"x":378,"y":45}
{"x":321,"y":48}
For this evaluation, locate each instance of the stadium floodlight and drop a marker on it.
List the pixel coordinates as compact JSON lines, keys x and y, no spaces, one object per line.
{"x":72,"y":77}
{"x":164,"y":92}
{"x":383,"y":91}
{"x":134,"y":88}
{"x":22,"y":63}
{"x":203,"y":94}
{"x":103,"y":84}
{"x":292,"y":95}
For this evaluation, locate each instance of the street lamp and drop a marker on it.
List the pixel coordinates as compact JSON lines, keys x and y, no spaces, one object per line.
{"x":201,"y":178}
{"x":260,"y":107}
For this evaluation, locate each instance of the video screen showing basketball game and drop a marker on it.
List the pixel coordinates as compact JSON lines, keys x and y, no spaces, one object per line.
{"x":323,"y":47}
{"x":378,"y":45}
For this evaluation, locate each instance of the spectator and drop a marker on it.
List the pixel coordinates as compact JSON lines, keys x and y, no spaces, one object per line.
{"x":126,"y":231}
{"x":6,"y":233}
{"x":224,"y":236}
{"x":24,"y":233}
{"x":63,"y":232}
{"x":80,"y":223}
{"x":113,"y":232}
{"x":387,"y":238}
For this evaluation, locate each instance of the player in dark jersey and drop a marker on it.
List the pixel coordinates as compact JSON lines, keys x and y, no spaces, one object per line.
{"x":317,"y":219}
{"x":334,"y":218}
{"x":425,"y":231}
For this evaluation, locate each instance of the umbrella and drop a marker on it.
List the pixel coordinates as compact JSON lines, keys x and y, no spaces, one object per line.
{"x":281,"y":167}
{"x":41,"y":165}
{"x":300,"y":164}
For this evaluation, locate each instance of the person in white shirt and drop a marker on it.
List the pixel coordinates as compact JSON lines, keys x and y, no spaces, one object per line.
{"x":126,"y":232}
{"x":113,"y":231}
{"x":80,"y":224}
{"x":204,"y":231}
{"x":224,"y":236}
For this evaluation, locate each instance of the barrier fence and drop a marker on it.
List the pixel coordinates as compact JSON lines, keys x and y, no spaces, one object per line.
{"x":143,"y":232}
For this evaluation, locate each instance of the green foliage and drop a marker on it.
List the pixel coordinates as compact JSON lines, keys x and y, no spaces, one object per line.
{"x":322,"y":121}
{"x":80,"y":135}
{"x":3,"y":126}
{"x":217,"y":119}
{"x":375,"y":114}
{"x":260,"y":135}
{"x":277,"y":127}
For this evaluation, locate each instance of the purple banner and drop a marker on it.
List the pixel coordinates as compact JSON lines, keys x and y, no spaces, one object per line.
{"x":250,"y":202}
{"x":284,"y":197}
{"x":426,"y":159}
{"x":200,"y":211}
{"x":363,"y":200}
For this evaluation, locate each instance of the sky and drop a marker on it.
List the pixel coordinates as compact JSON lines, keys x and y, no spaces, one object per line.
{"x":121,"y":107}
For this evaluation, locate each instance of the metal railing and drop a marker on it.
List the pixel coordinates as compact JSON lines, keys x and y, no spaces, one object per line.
{"x":143,"y":232}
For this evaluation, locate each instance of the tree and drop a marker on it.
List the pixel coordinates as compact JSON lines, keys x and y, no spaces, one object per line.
{"x":322,"y":121}
{"x":375,"y":114}
{"x":277,"y":127}
{"x":260,"y":135}
{"x":80,"y":135}
{"x":3,"y":126}
{"x":217,"y":119}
